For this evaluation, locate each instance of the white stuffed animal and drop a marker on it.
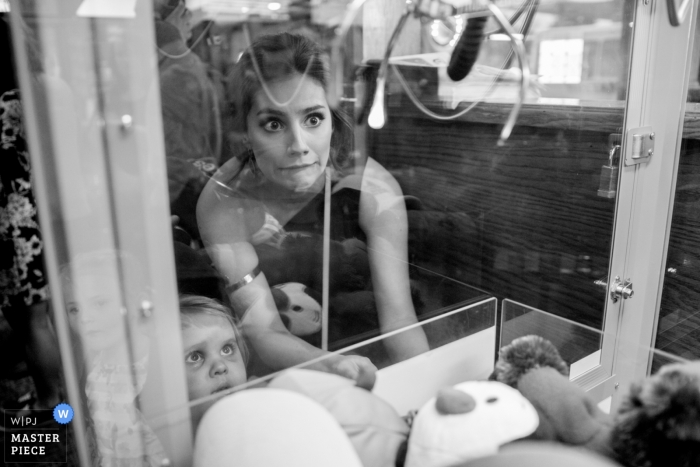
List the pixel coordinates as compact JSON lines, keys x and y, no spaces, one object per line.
{"x":468,"y":421}
{"x":300,"y":312}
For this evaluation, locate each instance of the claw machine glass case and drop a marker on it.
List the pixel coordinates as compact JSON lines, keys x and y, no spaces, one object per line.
{"x":387,"y":191}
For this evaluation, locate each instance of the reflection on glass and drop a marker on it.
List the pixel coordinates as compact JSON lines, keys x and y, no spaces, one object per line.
{"x":524,"y":221}
{"x":678,"y":329}
{"x":319,"y":233}
{"x":307,"y":213}
{"x":295,"y":211}
{"x":86,"y":89}
{"x":114,"y":344}
{"x":576,"y":53}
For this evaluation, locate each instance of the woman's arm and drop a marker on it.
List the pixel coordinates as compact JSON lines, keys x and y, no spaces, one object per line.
{"x":223,"y":231}
{"x":383,"y":219}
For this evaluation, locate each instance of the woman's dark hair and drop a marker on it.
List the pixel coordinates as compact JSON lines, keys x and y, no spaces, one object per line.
{"x":276,"y":57}
{"x":164,"y":8}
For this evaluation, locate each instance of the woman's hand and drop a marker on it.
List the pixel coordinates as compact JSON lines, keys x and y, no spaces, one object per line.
{"x":360,"y":369}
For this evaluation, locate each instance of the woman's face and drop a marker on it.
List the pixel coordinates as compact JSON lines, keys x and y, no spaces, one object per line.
{"x":292,"y":141}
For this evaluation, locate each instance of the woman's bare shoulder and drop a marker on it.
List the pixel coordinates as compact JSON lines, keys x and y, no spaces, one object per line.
{"x":377,"y":179}
{"x":371,"y":178}
{"x":227,"y":208}
{"x":380,"y":196}
{"x":380,"y":189}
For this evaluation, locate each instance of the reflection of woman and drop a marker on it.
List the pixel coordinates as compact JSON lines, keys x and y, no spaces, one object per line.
{"x":271,"y":198}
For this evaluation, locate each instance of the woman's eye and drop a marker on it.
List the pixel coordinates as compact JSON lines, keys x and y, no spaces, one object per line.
{"x":314,"y":120}
{"x":73,"y":310}
{"x":193,"y":357}
{"x":273,"y":125}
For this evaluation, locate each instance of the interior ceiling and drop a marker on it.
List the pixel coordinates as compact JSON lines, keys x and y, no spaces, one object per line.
{"x":239,"y":10}
{"x":323,"y":11}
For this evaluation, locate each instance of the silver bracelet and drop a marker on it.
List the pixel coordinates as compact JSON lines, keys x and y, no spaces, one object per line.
{"x":245,"y":280}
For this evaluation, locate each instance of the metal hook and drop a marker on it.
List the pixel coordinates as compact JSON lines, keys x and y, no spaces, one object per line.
{"x":377,"y":115}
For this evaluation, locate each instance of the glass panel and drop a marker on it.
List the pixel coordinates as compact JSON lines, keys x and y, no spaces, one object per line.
{"x":95,"y":145}
{"x":460,"y":341}
{"x":319,"y":232}
{"x":679,"y":323}
{"x":577,"y":344}
{"x":530,"y":220}
{"x":408,"y":385}
{"x":441,"y":329}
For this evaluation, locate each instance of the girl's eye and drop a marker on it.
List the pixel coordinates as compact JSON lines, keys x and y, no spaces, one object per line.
{"x":228,"y":350}
{"x":193,"y":357}
{"x":273,"y":125}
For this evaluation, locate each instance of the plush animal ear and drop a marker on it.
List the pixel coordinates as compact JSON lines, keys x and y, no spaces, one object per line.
{"x":285,"y":320}
{"x":281,"y":299}
{"x":313,"y":294}
{"x":524,"y":354}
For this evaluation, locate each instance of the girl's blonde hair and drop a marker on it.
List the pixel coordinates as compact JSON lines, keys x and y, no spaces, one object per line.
{"x":193,"y":305}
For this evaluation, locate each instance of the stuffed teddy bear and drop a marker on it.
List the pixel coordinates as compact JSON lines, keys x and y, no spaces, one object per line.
{"x":525,"y":354}
{"x":352,"y":307}
{"x":658,"y":422}
{"x":299,"y":260}
{"x":470,"y":420}
{"x":533,"y":366}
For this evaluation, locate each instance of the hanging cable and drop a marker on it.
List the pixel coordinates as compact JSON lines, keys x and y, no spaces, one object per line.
{"x":431,"y":9}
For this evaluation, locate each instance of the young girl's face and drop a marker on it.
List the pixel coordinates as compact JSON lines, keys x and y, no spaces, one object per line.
{"x":94,"y":312}
{"x":291,"y":142}
{"x":213,"y":361}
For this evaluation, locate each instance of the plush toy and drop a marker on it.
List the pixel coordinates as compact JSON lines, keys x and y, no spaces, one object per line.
{"x":375,"y":430}
{"x":299,"y":308}
{"x":271,"y":427}
{"x":525,"y":354}
{"x":468,"y":421}
{"x":567,"y":414}
{"x":658,"y":422}
{"x":352,"y":307}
